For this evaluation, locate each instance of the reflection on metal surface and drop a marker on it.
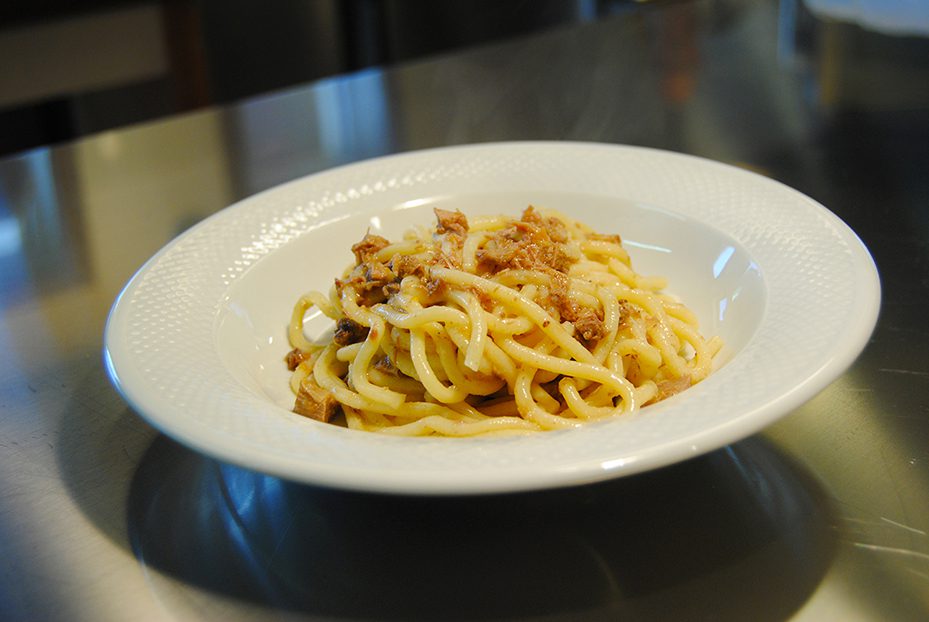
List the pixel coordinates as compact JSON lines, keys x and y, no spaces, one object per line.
{"x":892,"y":17}
{"x":881,"y":570}
{"x":292,"y":134}
{"x":42,"y":238}
{"x":738,"y":532}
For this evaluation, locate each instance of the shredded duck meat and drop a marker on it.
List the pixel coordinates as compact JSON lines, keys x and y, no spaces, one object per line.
{"x":369,"y":245}
{"x":348,"y":331}
{"x":455,"y":222}
{"x":534,"y":242}
{"x":525,"y":245}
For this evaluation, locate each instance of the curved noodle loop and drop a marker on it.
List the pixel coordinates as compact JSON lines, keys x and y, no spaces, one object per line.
{"x":493,"y":326}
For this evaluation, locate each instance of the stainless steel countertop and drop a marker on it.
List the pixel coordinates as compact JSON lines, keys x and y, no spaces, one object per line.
{"x":823,"y":516}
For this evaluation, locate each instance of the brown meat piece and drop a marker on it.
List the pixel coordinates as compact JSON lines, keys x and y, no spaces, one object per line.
{"x":385,"y":365}
{"x":560,"y":295}
{"x":530,"y":215}
{"x":406,"y":265}
{"x":667,"y":388}
{"x":587,"y":325}
{"x":315,"y":402}
{"x":628,"y":313}
{"x":368,"y":247}
{"x":348,"y":331}
{"x":555,"y":228}
{"x":523,"y":246}
{"x":434,"y":286}
{"x":451,"y":222}
{"x":295,"y":357}
{"x":377,"y":274}
{"x":368,"y":276}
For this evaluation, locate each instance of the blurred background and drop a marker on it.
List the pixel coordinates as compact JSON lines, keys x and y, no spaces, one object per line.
{"x":68,"y":69}
{"x":72,"y":68}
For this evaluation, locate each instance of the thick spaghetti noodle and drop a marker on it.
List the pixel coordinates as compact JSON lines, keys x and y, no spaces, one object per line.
{"x":493,"y":325}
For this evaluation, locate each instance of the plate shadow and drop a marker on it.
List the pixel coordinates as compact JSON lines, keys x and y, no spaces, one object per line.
{"x":740,"y":533}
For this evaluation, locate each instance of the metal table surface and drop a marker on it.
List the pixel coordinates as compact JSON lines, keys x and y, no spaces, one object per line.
{"x":824,"y":515}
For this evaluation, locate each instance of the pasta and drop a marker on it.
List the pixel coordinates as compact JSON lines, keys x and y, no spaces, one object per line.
{"x":492,"y":325}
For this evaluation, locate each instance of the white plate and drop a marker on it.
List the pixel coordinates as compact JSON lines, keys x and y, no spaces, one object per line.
{"x":195,"y":341}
